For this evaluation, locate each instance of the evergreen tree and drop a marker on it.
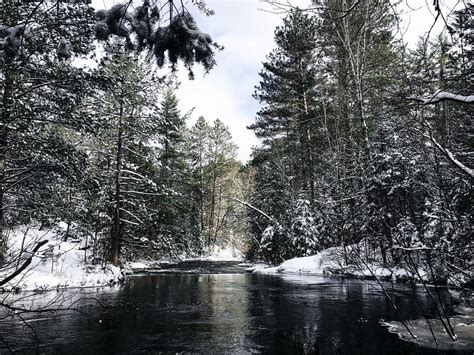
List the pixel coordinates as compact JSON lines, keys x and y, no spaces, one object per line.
{"x":121,"y":152}
{"x":171,"y":129}
{"x":42,"y":110}
{"x":176,"y":221}
{"x":222,"y":154}
{"x":218,"y":184}
{"x":287,"y":92}
{"x":198,"y":143}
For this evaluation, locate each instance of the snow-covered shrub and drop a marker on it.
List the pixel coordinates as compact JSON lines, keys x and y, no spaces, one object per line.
{"x":406,"y":234}
{"x":275,"y":244}
{"x":304,"y":232}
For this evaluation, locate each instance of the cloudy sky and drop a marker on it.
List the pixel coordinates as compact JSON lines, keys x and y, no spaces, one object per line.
{"x":245,"y":28}
{"x":246,"y":31}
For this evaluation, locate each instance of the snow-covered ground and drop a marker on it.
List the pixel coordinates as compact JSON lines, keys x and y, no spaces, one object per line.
{"x":331,"y":261}
{"x":60,"y":264}
{"x":228,"y":253}
{"x":57,"y":264}
{"x":319,"y":264}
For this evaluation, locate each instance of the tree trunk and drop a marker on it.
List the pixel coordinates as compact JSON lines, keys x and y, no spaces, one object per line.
{"x":201,"y":194}
{"x":6,"y":104}
{"x":213,"y":206}
{"x":218,"y":216}
{"x":116,"y":227}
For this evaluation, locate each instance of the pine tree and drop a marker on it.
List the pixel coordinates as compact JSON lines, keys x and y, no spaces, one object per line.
{"x":222,"y":154}
{"x":272,"y":194}
{"x":171,"y":129}
{"x":42,"y":110}
{"x":344,"y":60}
{"x":121,"y":152}
{"x":218,"y":182}
{"x":287,"y":91}
{"x":176,"y":221}
{"x":198,"y":143}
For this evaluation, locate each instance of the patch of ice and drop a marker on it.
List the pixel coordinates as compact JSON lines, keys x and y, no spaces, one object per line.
{"x":138,"y":265}
{"x":253,"y":267}
{"x":463,"y":327}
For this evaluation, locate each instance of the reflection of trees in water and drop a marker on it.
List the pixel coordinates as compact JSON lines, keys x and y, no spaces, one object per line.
{"x":333,"y":317}
{"x":224,"y":297}
{"x":31,"y":320}
{"x":221,"y":313}
{"x":282,"y":318}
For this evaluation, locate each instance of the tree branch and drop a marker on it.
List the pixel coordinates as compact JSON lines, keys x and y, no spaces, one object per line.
{"x":443,"y":96}
{"x":24,"y":265}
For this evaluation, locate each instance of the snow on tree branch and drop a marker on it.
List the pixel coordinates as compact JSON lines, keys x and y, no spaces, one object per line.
{"x":443,"y":96}
{"x":24,"y":265}
{"x":446,"y":152}
{"x":181,"y":39}
{"x":451,"y":157}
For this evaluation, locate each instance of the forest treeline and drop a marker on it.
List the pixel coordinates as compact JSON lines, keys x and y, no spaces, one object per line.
{"x":92,"y":136}
{"x":364,"y":139}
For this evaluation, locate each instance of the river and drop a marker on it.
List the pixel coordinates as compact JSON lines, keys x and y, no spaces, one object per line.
{"x":218,"y":308}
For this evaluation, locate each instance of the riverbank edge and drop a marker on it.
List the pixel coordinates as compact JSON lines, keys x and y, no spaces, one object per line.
{"x":330,"y":262}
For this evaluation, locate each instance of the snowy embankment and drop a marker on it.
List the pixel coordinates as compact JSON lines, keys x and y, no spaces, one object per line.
{"x":57,"y":264}
{"x":319,"y":264}
{"x":463,"y":325}
{"x":331,"y":261}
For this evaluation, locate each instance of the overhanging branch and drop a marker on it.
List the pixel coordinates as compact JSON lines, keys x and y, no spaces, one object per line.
{"x":443,"y":96}
{"x":24,"y":265}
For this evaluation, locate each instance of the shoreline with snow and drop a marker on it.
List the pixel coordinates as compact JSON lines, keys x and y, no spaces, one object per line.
{"x":61,"y":264}
{"x":330,"y":262}
{"x":58,"y":264}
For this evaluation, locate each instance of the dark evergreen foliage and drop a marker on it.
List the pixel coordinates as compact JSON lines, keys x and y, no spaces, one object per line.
{"x":373,"y":167}
{"x":144,"y":28}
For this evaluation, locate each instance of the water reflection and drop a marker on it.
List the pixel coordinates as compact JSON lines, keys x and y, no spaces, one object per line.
{"x":224,"y":313}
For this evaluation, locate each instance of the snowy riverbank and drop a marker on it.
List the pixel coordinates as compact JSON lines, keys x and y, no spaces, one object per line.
{"x":67,"y":264}
{"x":62,"y":264}
{"x":331,"y":261}
{"x":57,"y":264}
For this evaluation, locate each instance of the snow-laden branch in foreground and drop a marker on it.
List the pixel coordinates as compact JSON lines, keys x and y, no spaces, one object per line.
{"x":416,"y":248}
{"x":443,"y":96}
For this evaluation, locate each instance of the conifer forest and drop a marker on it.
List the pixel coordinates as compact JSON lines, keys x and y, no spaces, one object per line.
{"x":136,"y":214}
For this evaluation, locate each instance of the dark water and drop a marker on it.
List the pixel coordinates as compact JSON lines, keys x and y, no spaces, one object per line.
{"x":219,"y":313}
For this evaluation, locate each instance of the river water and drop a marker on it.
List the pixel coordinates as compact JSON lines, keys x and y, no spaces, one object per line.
{"x":217,"y":308}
